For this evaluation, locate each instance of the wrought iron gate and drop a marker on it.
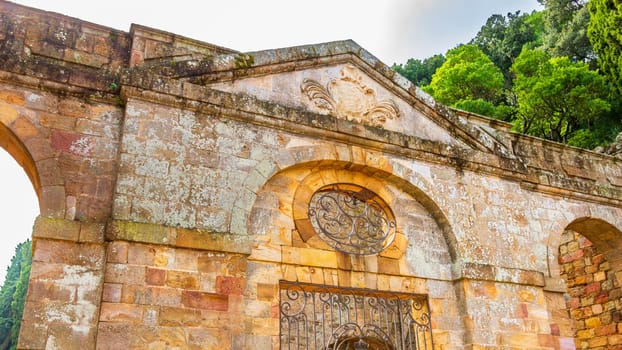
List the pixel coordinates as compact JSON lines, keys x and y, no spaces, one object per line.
{"x":318,"y":317}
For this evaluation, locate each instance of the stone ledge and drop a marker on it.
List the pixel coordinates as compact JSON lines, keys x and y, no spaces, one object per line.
{"x":556,"y":285}
{"x":483,"y":272}
{"x":389,"y":268}
{"x":68,"y":230}
{"x":227,"y":243}
{"x":178,"y":237}
{"x":19,"y":79}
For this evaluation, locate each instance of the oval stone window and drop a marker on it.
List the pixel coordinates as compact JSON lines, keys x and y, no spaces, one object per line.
{"x":352,"y":219}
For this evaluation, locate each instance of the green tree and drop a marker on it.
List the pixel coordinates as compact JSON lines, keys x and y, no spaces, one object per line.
{"x":468,"y":75}
{"x":490,"y":38}
{"x":566,"y":23}
{"x":420,"y":71}
{"x":502,"y":38}
{"x":523,"y":30}
{"x":536,"y":22}
{"x":13,"y":295}
{"x":558,"y":99}
{"x":605,"y":33}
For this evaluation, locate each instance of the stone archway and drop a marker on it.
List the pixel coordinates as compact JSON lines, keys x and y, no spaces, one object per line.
{"x":17,"y":150}
{"x":590,"y":263}
{"x":288,"y":251}
{"x":25,"y":143}
{"x":19,"y":206}
{"x":65,"y":287}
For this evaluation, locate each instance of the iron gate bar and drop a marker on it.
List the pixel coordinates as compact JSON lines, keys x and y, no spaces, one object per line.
{"x":321,"y":317}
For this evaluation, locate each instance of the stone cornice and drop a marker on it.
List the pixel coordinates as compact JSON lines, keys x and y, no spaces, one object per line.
{"x":533,"y":174}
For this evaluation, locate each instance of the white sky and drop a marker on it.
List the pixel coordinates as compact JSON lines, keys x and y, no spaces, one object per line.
{"x":18,"y":208}
{"x":392,"y":30}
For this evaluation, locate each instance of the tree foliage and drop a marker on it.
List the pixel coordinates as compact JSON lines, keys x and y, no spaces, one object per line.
{"x":420,"y":71}
{"x":490,"y":38}
{"x":558,"y":97}
{"x":467,"y":75}
{"x":502,"y":37}
{"x":566,"y":23}
{"x":551,"y":86}
{"x":13,"y":295}
{"x":605,"y":33}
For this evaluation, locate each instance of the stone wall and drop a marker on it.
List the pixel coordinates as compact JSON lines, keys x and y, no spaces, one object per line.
{"x":174,"y":179}
{"x":163,"y":297}
{"x":593,"y":297}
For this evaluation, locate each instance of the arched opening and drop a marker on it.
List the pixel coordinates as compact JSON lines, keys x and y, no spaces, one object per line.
{"x":20,"y":193}
{"x":32,"y":151}
{"x":18,"y":210}
{"x":589,"y":261}
{"x":17,"y":150}
{"x":280,"y":220}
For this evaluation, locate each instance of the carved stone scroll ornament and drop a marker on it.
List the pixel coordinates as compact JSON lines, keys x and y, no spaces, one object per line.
{"x":354,"y":222}
{"x":349,"y":98}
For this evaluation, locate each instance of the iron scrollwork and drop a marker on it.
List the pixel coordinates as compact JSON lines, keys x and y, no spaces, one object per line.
{"x":316,"y":317}
{"x":354,"y":222}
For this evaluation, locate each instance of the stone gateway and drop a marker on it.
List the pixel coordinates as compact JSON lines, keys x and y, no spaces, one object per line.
{"x":195,"y":197}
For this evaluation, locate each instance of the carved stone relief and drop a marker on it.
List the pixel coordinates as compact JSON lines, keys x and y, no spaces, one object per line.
{"x":349,"y":98}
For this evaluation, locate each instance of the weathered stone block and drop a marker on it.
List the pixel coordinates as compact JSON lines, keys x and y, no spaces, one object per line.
{"x":32,"y":336}
{"x":267,"y":292}
{"x":141,"y":254}
{"x":198,"y":239}
{"x":92,"y":232}
{"x":56,"y":228}
{"x":388,"y":266}
{"x":117,"y":252}
{"x":123,"y":313}
{"x":113,"y":336}
{"x":91,"y":255}
{"x":151,"y":295}
{"x":138,"y":232}
{"x":70,"y":337}
{"x":125,"y":274}
{"x":179,"y":317}
{"x":182,"y":279}
{"x":155,"y":277}
{"x":112,"y":292}
{"x":227,"y":285}
{"x":50,"y":290}
{"x":210,"y":339}
{"x":206,"y":301}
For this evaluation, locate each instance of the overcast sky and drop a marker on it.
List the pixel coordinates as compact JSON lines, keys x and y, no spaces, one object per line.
{"x":392,"y":30}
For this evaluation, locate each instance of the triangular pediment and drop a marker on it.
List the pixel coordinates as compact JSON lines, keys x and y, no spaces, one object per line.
{"x":345,"y":92}
{"x":342,"y":80}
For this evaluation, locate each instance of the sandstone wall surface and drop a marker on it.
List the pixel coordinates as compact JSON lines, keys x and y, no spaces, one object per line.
{"x":174,"y":178}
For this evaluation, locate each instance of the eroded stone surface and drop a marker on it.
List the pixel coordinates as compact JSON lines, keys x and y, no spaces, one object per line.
{"x":170,"y":173}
